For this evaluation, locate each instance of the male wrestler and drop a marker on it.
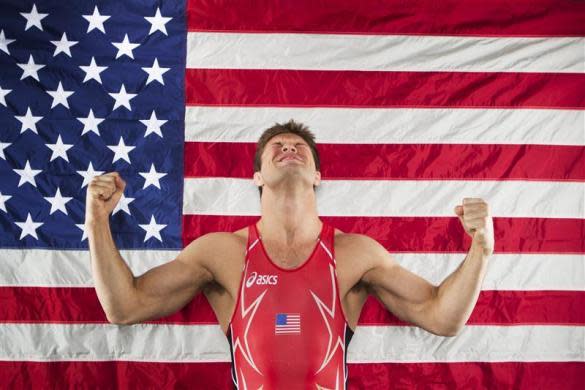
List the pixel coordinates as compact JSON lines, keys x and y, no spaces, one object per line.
{"x":287,"y":290}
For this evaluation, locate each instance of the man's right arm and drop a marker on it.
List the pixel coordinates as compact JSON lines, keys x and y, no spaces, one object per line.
{"x":162,"y":290}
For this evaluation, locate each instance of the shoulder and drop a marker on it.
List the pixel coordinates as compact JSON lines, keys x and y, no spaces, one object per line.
{"x":354,"y":244}
{"x":359,"y":253}
{"x":212,"y":250}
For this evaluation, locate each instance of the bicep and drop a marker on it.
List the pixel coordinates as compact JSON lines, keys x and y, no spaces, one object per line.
{"x":168,"y":287}
{"x":404,"y":293}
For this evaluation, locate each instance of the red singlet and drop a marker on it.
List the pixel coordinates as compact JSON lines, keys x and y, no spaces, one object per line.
{"x":288,"y":330}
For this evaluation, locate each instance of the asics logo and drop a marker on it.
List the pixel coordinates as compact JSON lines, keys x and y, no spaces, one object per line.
{"x":260,"y":280}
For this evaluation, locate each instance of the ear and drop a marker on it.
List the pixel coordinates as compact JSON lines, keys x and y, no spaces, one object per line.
{"x":317,"y":179}
{"x":258,"y":181}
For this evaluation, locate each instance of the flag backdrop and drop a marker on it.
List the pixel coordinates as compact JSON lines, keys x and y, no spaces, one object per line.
{"x":415,"y":105}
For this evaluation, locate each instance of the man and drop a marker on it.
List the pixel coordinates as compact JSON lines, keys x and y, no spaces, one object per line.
{"x":287,"y":290}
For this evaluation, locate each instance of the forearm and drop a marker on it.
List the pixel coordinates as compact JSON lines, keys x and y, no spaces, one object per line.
{"x":457,"y":295}
{"x":113,"y":279}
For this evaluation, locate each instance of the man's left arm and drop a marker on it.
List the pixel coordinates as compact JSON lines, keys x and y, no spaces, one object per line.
{"x":442,"y":309}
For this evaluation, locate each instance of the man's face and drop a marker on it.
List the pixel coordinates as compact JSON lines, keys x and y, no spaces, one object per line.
{"x":286,"y":156}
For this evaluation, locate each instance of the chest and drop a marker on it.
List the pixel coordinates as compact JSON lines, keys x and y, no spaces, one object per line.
{"x":289,"y":256}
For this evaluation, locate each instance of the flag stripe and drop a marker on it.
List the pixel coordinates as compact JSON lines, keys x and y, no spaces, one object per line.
{"x":494,"y":18}
{"x":80,"y":305}
{"x":496,"y":375}
{"x":506,"y":271}
{"x":474,"y":343}
{"x":389,"y":53}
{"x":503,"y":308}
{"x":391,"y":125}
{"x":429,"y":234}
{"x":114,"y":374}
{"x":374,"y":376}
{"x":404,"y":161}
{"x":397,"y":198}
{"x":305,"y":88}
{"x":166,"y":343}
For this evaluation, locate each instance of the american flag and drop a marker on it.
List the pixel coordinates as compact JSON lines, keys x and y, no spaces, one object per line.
{"x":287,"y":323}
{"x":415,"y":106}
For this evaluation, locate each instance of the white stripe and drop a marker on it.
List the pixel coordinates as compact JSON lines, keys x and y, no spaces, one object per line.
{"x":378,"y":344}
{"x":385,"y":53}
{"x":401,"y":198}
{"x":206,"y":343}
{"x":521,"y":272}
{"x":67,"y":268}
{"x":391,"y":125}
{"x":53,"y":268}
{"x":101,"y":342}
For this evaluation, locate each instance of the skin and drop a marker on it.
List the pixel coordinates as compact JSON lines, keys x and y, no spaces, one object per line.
{"x":289,"y":225}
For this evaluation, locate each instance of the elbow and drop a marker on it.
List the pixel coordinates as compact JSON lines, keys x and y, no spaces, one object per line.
{"x":119,"y":319}
{"x":450,"y":330}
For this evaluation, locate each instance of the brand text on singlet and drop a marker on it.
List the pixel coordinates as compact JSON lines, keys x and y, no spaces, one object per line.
{"x":254,"y":278}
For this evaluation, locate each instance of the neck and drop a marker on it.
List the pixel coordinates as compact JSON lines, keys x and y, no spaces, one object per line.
{"x":289,"y":215}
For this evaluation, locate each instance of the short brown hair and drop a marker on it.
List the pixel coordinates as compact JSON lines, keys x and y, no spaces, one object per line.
{"x":292,"y":127}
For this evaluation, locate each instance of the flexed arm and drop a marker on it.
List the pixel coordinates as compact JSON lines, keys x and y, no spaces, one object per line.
{"x":442,"y":309}
{"x":125,"y":298}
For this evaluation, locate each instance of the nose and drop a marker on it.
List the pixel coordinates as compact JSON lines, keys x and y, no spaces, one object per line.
{"x":286,"y":147}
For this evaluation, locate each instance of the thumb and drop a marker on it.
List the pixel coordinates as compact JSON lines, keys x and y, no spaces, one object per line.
{"x":459,"y":211}
{"x":120,"y":183}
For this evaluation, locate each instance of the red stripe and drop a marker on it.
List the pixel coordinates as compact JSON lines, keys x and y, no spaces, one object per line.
{"x":114,"y":375}
{"x":503,"y":308}
{"x":480,"y":375}
{"x":383,"y":376}
{"x":429,"y":234}
{"x":80,"y":305}
{"x":404,"y":161}
{"x":427,"y":17}
{"x":317,"y":88}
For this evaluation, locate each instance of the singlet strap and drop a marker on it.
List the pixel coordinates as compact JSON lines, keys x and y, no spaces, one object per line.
{"x":253,"y":237}
{"x":326,"y":241}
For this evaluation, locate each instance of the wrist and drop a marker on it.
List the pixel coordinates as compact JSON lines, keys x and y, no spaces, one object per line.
{"x":92,"y":223}
{"x":480,"y":243}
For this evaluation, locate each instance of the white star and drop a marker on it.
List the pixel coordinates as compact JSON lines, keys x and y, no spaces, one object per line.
{"x":58,"y":202}
{"x":33,"y":18}
{"x":28,"y":121}
{"x":121,"y":151}
{"x":157,"y":22}
{"x":89,"y":174}
{"x":27,"y":175}
{"x":3,"y":199}
{"x":60,"y":96}
{"x":92,"y":71}
{"x":29,"y":227}
{"x":59,"y":149}
{"x":82,"y":227}
{"x":152,"y":177}
{"x":4,"y":92}
{"x":122,"y":98}
{"x":125,"y":47}
{"x":123,"y":205}
{"x":90,"y":123}
{"x":96,"y":20}
{"x":30,"y":69}
{"x":155,"y":73}
{"x":152,"y":229}
{"x":153,"y":125}
{"x":63,"y":46}
{"x":3,"y":145}
{"x":4,"y":42}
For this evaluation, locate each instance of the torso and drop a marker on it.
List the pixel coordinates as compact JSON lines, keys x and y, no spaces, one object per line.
{"x":223,"y":294}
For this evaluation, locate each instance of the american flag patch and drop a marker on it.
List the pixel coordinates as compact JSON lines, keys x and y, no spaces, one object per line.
{"x":287,"y":323}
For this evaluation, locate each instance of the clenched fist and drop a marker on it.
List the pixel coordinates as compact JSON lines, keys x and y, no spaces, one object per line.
{"x":103,"y":194}
{"x":475,"y":218}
